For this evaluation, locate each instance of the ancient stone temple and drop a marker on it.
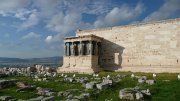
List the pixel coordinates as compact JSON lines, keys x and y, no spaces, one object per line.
{"x":145,"y":47}
{"x":82,"y":54}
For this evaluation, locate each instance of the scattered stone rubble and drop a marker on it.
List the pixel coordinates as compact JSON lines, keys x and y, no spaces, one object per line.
{"x":29,"y":71}
{"x":41,"y":98}
{"x":95,"y":82}
{"x":3,"y":75}
{"x":104,"y":84}
{"x":134,"y":93}
{"x":45,"y":91}
{"x":69,"y":95}
{"x":23,"y":86}
{"x":5,"y":98}
{"x":7,"y":83}
{"x":143,"y":79}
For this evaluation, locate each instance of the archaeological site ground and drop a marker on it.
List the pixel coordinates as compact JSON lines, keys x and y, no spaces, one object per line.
{"x":105,"y":86}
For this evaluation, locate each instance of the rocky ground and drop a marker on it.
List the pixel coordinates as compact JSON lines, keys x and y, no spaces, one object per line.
{"x":40,"y":83}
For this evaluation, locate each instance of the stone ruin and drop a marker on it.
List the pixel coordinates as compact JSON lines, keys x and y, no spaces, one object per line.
{"x":145,"y":47}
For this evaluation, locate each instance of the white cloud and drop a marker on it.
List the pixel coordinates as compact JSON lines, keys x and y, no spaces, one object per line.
{"x":98,"y":7}
{"x":17,"y":9}
{"x":54,"y":39}
{"x":9,"y":6}
{"x":31,"y":35}
{"x":66,"y":16}
{"x":47,"y":7}
{"x":88,"y":6}
{"x":166,"y":10}
{"x":23,"y":14}
{"x":3,"y":13}
{"x":60,"y":15}
{"x":49,"y":39}
{"x":65,"y":23}
{"x":118,"y":15}
{"x":30,"y":21}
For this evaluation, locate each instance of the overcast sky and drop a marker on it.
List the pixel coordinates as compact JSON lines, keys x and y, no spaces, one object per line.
{"x":35,"y":28}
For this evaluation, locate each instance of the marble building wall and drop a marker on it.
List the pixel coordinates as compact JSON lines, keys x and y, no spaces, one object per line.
{"x":141,"y":46}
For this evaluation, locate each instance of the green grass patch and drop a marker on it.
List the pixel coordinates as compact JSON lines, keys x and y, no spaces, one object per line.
{"x":161,"y":91}
{"x":18,"y":95}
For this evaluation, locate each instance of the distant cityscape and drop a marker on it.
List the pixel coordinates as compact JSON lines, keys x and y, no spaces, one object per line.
{"x":18,"y":62}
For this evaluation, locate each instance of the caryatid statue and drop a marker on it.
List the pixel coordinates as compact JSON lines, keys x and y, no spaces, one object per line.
{"x":65,"y":49}
{"x":80,"y":48}
{"x":90,"y":48}
{"x":72,"y":49}
{"x":96,"y":49}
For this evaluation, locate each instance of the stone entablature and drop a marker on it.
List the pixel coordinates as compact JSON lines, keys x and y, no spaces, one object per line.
{"x":83,"y":45}
{"x":83,"y":38}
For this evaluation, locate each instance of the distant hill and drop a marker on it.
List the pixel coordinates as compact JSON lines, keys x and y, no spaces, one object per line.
{"x":47,"y":61}
{"x":55,"y":59}
{"x":7,"y":60}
